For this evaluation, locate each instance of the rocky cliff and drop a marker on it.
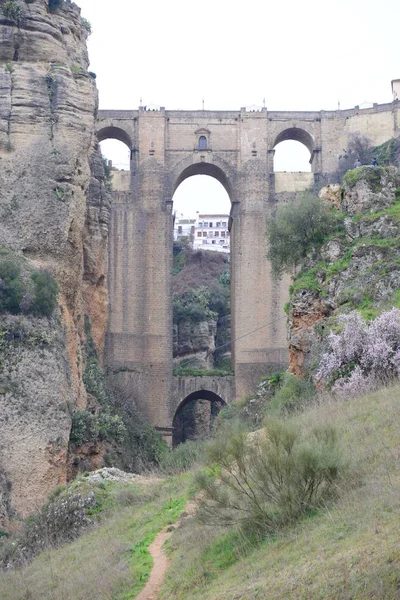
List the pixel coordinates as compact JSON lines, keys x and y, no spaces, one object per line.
{"x":54,"y":214}
{"x":201,"y":330}
{"x":358,"y":269}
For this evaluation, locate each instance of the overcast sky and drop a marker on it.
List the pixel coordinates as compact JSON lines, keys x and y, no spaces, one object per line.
{"x":297,"y":55}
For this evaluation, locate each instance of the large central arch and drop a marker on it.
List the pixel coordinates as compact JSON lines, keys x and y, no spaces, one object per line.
{"x":205,"y":168}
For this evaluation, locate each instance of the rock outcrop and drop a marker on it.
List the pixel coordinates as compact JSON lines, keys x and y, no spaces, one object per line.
{"x":358,"y":270}
{"x":53,"y":213}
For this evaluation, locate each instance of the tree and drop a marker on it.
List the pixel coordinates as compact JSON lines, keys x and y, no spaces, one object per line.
{"x":296,"y":230}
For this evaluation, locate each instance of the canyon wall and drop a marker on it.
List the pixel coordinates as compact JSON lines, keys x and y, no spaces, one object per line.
{"x":53,"y":216}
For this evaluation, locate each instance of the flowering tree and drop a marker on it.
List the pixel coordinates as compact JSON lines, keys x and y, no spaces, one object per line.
{"x":363,"y":355}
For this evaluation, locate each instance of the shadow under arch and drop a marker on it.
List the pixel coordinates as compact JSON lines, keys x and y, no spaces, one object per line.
{"x":114,"y":133}
{"x":297,"y":135}
{"x":212,"y":397}
{"x":203,"y":168}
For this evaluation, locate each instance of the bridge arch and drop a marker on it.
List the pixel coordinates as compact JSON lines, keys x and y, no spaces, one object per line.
{"x":296,"y":134}
{"x":190,"y":168}
{"x":111,"y":132}
{"x":178,"y":424}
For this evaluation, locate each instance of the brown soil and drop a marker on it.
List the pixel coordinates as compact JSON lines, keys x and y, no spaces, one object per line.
{"x":160,"y":566}
{"x":160,"y":560}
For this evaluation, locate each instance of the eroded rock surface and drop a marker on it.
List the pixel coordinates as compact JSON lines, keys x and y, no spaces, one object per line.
{"x":54,"y":212}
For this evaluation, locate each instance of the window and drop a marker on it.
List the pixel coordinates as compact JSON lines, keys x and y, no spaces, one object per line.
{"x":213,"y":242}
{"x":192,"y":229}
{"x":210,"y":234}
{"x":217,"y":234}
{"x":205,"y":242}
{"x":222,"y":233}
{"x":200,"y":224}
{"x":210,"y":224}
{"x":202,"y":142}
{"x":204,"y":233}
{"x":179,"y":228}
{"x":224,"y":224}
{"x":218,"y":224}
{"x":221,"y":241}
{"x":199,"y":234}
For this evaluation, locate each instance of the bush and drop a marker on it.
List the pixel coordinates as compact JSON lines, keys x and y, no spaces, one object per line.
{"x":193,"y":305}
{"x":60,"y":520}
{"x":88,"y":427}
{"x":184,"y":457}
{"x":363,"y":355}
{"x":293,"y":393}
{"x":55,"y":4}
{"x":12,"y":288}
{"x":296,"y":230}
{"x":45,"y":293}
{"x":262,"y":485}
{"x":14,"y":11}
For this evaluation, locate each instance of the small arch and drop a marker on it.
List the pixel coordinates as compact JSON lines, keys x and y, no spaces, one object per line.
{"x":298,"y":135}
{"x":203,"y":168}
{"x":202,"y":142}
{"x":114,"y":133}
{"x":179,"y":433}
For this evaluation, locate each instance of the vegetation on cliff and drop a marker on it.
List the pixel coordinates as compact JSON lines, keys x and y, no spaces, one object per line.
{"x":201,"y":311}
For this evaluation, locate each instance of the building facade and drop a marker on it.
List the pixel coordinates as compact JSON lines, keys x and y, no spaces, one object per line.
{"x":211,"y":233}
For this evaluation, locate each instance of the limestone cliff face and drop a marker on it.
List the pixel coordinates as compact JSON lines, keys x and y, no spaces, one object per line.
{"x":360,"y":270}
{"x":54,"y":213}
{"x":194,"y":344}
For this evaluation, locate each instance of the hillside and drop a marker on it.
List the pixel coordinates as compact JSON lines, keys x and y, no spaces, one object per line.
{"x":357,"y":268}
{"x":349,"y":549}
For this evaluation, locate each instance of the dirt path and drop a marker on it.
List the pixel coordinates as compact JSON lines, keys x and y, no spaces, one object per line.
{"x":160,"y":561}
{"x":160,"y":566}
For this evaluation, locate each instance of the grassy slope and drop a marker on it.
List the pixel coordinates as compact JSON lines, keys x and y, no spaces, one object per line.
{"x":349,"y":551}
{"x":109,"y":562}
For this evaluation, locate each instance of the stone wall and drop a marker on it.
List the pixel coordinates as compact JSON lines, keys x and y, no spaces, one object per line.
{"x":239,"y":153}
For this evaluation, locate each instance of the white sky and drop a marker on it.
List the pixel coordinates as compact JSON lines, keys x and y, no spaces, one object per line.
{"x":298,"y":55}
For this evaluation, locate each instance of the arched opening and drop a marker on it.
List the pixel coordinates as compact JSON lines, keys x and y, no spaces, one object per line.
{"x":201,"y":273}
{"x":293,"y":151}
{"x":195,"y":416}
{"x":116,"y":148}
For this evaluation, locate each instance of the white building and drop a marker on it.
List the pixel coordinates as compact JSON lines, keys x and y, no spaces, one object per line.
{"x":211,"y":233}
{"x":184,"y":227}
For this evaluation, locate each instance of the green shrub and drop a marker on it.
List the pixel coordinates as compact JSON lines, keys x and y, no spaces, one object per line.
{"x":94,"y":381}
{"x":87,"y":427}
{"x":263,"y":485}
{"x":184,"y":457}
{"x":55,"y":4}
{"x":12,"y":288}
{"x":83,"y":428}
{"x":294,"y":393}
{"x":193,"y":306}
{"x":86,"y":26}
{"x":14,"y":11}
{"x":45,"y":293}
{"x":296,"y":230}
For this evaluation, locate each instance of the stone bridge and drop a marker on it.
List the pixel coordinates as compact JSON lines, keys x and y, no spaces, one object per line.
{"x":237,"y":148}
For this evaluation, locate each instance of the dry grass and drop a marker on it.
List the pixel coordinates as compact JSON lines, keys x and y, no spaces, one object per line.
{"x":349,"y":551}
{"x":109,"y":563}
